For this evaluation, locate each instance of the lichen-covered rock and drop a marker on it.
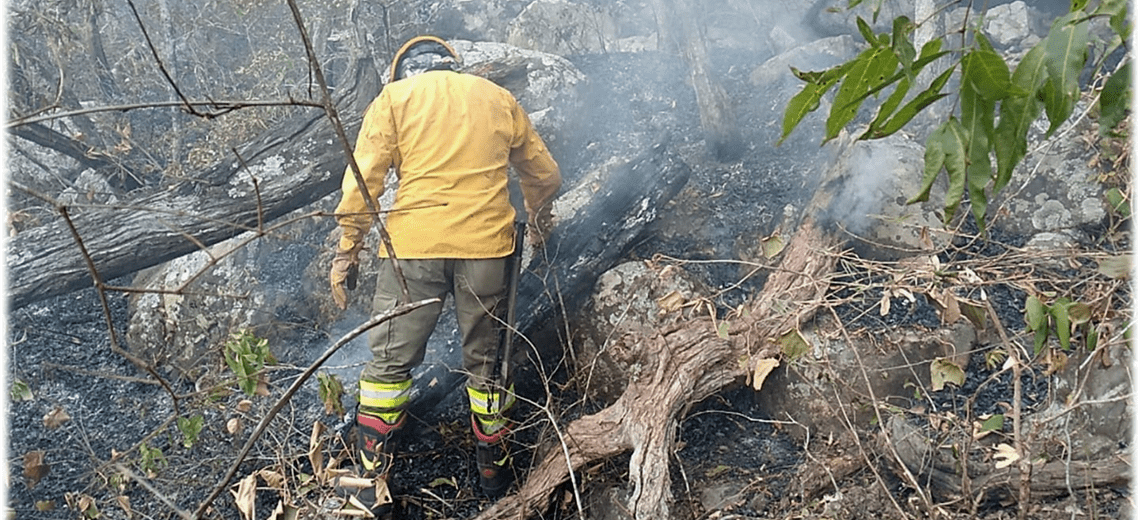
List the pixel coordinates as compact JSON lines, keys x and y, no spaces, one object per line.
{"x":627,"y":301}
{"x":563,"y":28}
{"x":870,"y":205}
{"x":1054,"y":191}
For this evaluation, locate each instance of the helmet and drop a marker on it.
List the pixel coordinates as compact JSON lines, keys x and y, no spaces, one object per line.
{"x":421,"y":54}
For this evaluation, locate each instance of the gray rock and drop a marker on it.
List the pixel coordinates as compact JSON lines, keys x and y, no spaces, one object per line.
{"x":832,"y":17}
{"x":628,"y":299}
{"x":1008,"y":23}
{"x":870,"y":204}
{"x":1054,"y":189}
{"x":537,"y":79}
{"x":816,"y":55}
{"x":1090,"y":410}
{"x":563,"y":28}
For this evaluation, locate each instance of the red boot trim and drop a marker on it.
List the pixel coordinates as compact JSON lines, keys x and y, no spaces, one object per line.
{"x":378,"y":424}
{"x":483,"y":437}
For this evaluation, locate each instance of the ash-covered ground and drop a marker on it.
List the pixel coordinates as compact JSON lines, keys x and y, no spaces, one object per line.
{"x":61,"y":350}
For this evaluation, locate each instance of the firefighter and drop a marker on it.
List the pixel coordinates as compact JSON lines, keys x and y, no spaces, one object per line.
{"x":450,"y":137}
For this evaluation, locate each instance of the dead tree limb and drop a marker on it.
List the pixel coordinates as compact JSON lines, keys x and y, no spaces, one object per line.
{"x":679,"y":368}
{"x":294,"y":164}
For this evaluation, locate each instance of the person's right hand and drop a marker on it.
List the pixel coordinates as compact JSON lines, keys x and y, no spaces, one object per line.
{"x":539,"y":227}
{"x":344,"y":272}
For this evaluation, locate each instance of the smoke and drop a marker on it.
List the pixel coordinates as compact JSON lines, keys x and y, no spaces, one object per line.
{"x":863,"y":188}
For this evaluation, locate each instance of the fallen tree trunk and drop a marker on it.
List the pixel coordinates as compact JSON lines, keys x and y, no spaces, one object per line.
{"x":941,"y":470}
{"x":678,"y":22}
{"x":682,"y":366}
{"x":294,"y":165}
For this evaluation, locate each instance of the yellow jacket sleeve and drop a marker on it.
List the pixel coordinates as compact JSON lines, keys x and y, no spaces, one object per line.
{"x":375,"y":152}
{"x":539,"y":177}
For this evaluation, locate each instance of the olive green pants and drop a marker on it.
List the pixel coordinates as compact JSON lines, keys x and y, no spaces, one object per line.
{"x":479,"y":288}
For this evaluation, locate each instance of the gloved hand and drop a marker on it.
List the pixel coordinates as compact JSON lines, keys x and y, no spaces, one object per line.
{"x":539,"y":226}
{"x":345,"y":270}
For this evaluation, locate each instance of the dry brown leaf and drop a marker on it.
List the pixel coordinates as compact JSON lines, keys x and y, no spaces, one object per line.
{"x":245,"y":496}
{"x":671,"y":302}
{"x":244,"y":405}
{"x":284,"y":512}
{"x":1005,"y":455}
{"x":86,"y":503}
{"x":763,"y":368}
{"x":316,"y":456}
{"x":34,"y":467}
{"x":56,"y":417}
{"x":233,"y":426}
{"x":272,"y":478}
{"x":885,"y":304}
{"x":951,"y":313}
{"x":125,"y":504}
{"x":45,"y":505}
{"x":262,"y":387}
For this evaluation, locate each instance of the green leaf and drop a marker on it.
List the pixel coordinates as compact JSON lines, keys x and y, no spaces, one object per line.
{"x":190,"y":427}
{"x":901,"y":44}
{"x":1116,"y":267}
{"x":986,"y":73}
{"x":1035,"y":313}
{"x":1115,"y":98}
{"x":886,"y":109}
{"x":1060,"y":313}
{"x":1039,"y":340}
{"x":1117,"y":12}
{"x":933,"y":159}
{"x":978,"y":120}
{"x":444,"y":481}
{"x":1092,"y":337}
{"x":943,"y":371}
{"x":1065,"y":56}
{"x":870,"y":69}
{"x":722,"y":330}
{"x":20,"y":391}
{"x":954,"y":144}
{"x":993,"y":424}
{"x":1080,"y":313}
{"x":807,"y":100}
{"x":1077,"y":5}
{"x":866,"y":31}
{"x":1017,"y":113}
{"x":794,"y":345}
{"x":924,"y":99}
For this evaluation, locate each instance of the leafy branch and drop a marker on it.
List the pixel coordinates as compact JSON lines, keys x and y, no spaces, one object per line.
{"x":979,"y":146}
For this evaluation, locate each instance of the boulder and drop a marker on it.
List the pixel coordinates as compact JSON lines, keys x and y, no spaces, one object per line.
{"x":626,"y":301}
{"x":870,"y":204}
{"x":563,"y":28}
{"x":1007,"y":24}
{"x":1054,"y":192}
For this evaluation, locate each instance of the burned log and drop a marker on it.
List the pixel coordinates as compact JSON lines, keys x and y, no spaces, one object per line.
{"x":680,"y":367}
{"x":282,"y":170}
{"x":942,"y":470}
{"x":677,"y":22}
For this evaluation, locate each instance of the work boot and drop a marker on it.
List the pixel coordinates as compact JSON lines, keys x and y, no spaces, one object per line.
{"x":493,"y":460}
{"x":376,"y":451}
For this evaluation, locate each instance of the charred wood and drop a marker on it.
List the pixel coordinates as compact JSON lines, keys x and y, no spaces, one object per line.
{"x":294,"y":165}
{"x":678,"y":22}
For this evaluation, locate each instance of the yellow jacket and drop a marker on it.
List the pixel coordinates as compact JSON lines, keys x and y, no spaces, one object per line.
{"x":450,"y":137}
